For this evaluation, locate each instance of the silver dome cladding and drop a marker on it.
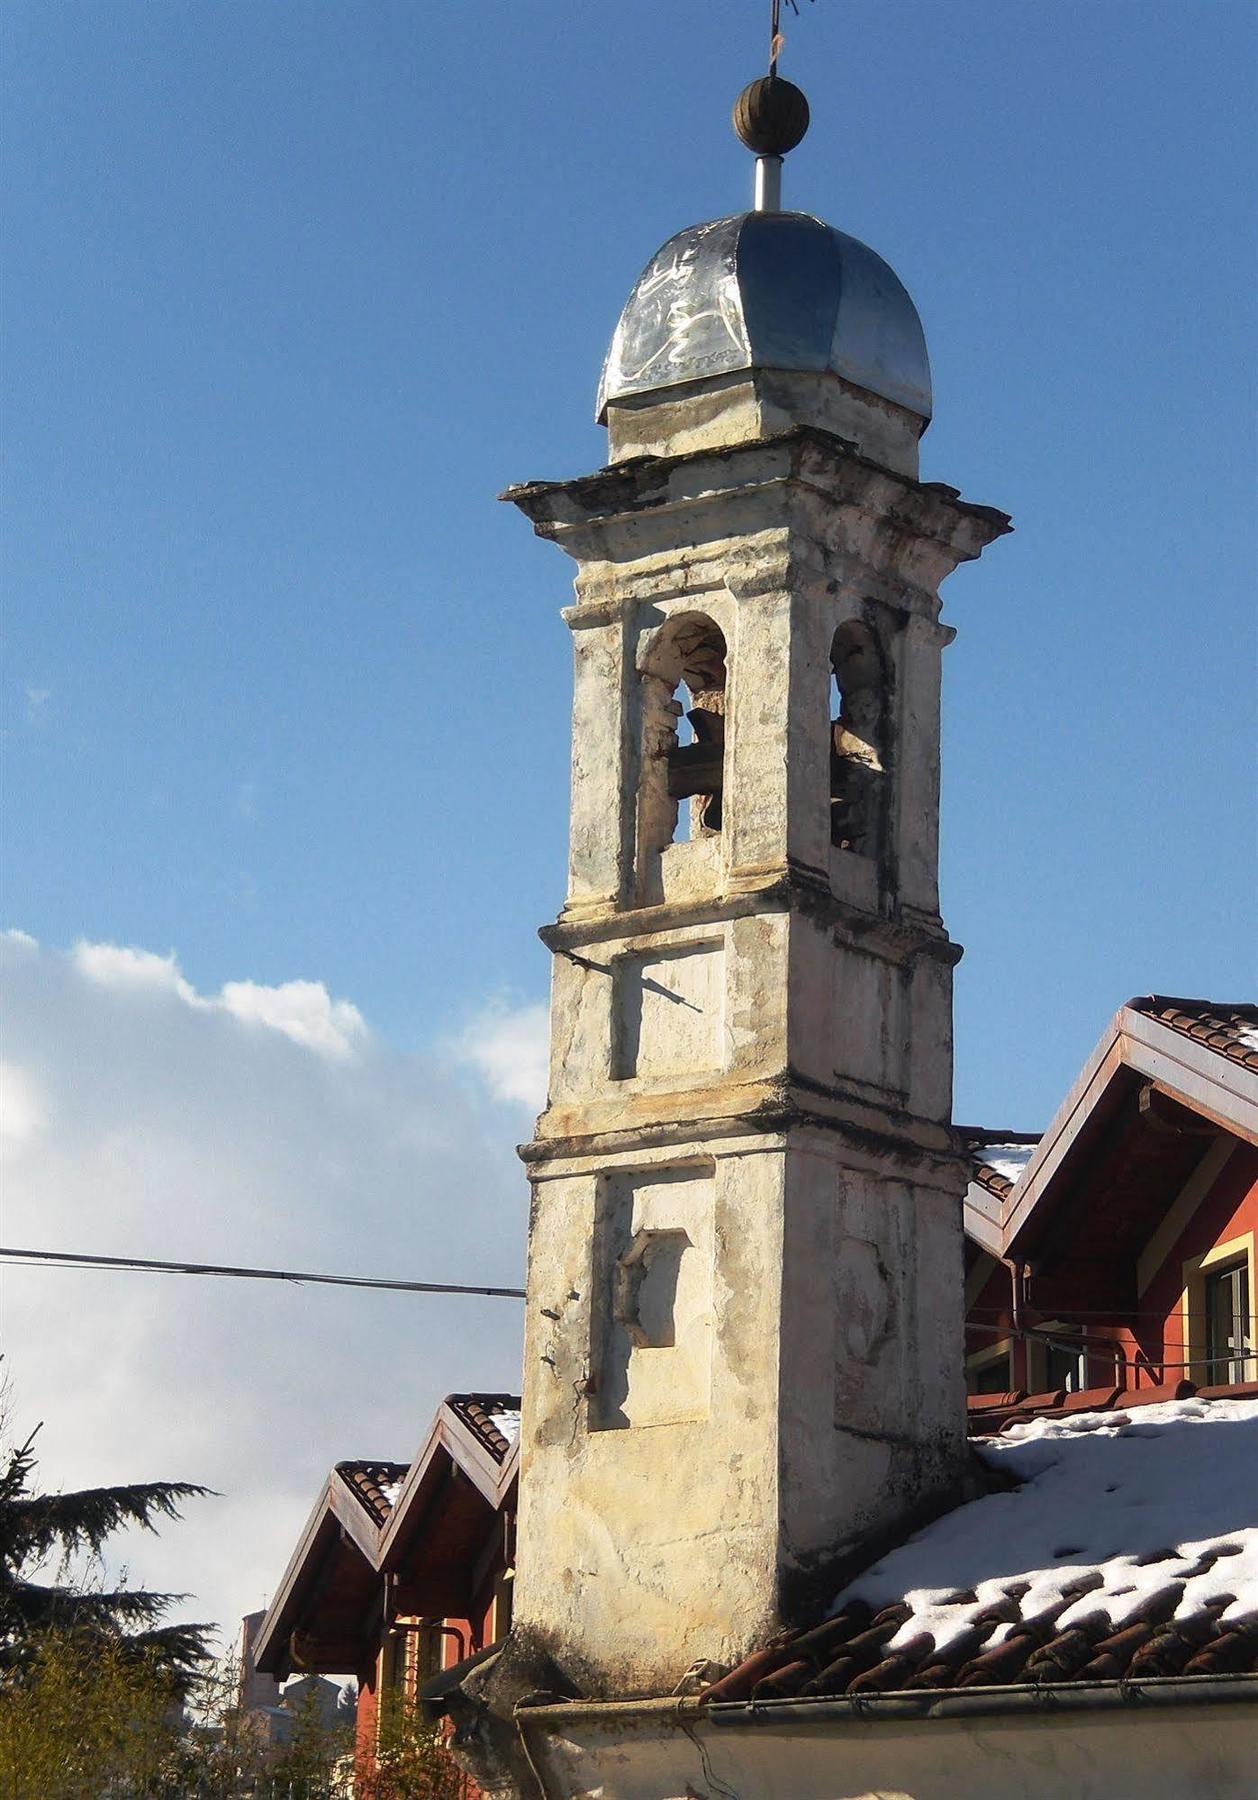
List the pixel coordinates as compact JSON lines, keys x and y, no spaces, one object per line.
{"x":768,"y":290}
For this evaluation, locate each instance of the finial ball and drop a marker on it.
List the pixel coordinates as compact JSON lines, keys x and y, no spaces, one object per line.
{"x":771,"y":115}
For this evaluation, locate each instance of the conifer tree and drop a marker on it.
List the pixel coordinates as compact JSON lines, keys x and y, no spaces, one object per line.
{"x":39,"y":1530}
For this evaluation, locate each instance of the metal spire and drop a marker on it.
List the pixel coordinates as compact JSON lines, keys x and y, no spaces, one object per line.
{"x":771,"y":116}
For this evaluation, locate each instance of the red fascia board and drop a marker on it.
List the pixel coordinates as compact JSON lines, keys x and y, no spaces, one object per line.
{"x":1215,"y":1086}
{"x":354,"y":1517}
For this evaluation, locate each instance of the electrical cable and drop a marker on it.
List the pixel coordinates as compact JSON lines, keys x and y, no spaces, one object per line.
{"x":73,"y":1260}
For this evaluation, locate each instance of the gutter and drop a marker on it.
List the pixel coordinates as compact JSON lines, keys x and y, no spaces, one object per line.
{"x":980,"y":1702}
{"x":868,"y":1709}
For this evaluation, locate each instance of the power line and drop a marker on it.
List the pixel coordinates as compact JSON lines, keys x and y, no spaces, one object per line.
{"x":68,"y":1260}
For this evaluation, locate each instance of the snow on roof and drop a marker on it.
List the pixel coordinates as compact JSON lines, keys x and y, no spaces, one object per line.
{"x":1008,"y":1160}
{"x":1117,"y":1515}
{"x":508,"y":1423}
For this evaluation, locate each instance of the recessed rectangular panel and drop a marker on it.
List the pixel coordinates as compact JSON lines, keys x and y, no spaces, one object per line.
{"x":669,"y":1010}
{"x":654,"y":1325}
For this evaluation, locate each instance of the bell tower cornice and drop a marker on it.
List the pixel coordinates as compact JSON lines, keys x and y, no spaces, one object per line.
{"x":669,"y":516}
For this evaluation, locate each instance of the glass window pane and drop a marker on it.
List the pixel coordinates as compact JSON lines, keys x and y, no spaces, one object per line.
{"x":1229,"y":1341}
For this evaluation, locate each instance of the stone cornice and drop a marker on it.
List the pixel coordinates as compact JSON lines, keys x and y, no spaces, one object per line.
{"x":766,"y":1114}
{"x":792,"y":890}
{"x":583,"y":514}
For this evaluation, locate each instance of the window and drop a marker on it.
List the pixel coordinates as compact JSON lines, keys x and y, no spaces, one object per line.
{"x":1229,"y":1329}
{"x":1064,"y":1365}
{"x":990,"y":1371}
{"x":1218,"y":1313}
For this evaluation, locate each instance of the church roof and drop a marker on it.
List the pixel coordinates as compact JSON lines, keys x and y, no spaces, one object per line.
{"x":768,"y":290}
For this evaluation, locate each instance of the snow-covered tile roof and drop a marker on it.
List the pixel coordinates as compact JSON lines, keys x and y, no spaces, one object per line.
{"x":374,"y":1484}
{"x":1230,"y":1028}
{"x":1008,"y":1160}
{"x":1128,"y":1547}
{"x":493,"y":1418}
{"x":507,"y":1421}
{"x":1113,"y":1511}
{"x":997,"y":1162}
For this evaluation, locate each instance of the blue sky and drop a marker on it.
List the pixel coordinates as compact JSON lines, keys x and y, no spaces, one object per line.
{"x":294,"y":291}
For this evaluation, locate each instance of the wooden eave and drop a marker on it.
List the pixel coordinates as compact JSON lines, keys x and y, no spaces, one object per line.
{"x":1134,"y":1050}
{"x":337,"y":1529}
{"x":449,"y":1445}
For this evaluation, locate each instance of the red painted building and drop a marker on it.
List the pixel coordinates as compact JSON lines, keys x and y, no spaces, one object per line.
{"x":1116,"y":1253}
{"x":403,"y":1569}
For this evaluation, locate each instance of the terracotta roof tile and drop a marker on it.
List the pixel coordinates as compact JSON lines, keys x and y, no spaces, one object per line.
{"x":492,"y":1418}
{"x":1031,"y":1652}
{"x":1228,"y":1027}
{"x":373,"y":1484}
{"x":993,"y":1412}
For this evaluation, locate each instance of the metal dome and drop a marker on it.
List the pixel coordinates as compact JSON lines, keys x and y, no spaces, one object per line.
{"x":768,"y":290}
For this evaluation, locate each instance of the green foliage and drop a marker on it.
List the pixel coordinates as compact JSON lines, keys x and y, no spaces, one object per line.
{"x":414,"y":1760}
{"x":86,"y":1719}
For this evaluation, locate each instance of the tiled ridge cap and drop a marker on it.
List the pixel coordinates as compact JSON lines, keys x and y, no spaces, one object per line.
{"x":992,"y":1180}
{"x":365,"y":1480}
{"x":1221,"y":1025}
{"x":475,"y":1410}
{"x":988,"y":1414}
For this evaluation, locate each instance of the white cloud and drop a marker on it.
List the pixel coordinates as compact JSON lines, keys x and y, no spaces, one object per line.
{"x":510,"y":1047}
{"x":239,"y":1129}
{"x":303,"y":1010}
{"x":119,"y":966}
{"x":22,"y":1111}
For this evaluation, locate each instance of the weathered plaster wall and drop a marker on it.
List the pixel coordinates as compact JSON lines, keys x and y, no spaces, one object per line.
{"x":734,"y":409}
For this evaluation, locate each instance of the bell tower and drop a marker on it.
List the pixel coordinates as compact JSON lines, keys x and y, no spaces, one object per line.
{"x":743,"y":1343}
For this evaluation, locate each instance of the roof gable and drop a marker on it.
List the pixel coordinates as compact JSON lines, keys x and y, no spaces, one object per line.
{"x":367,"y":1514}
{"x":1173,"y":1062}
{"x":476,"y":1434}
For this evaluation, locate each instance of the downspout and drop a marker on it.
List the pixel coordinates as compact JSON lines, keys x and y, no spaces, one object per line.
{"x":1018,"y":1276}
{"x":1019,"y":1273}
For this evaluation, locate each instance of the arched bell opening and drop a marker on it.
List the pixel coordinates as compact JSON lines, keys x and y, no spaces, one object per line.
{"x":859,"y":707}
{"x":682,"y":767}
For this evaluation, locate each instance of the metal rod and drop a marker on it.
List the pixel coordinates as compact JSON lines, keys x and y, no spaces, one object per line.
{"x":768,"y":184}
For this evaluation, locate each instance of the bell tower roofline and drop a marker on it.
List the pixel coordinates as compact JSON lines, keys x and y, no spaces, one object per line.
{"x":743,"y":327}
{"x":768,"y":291}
